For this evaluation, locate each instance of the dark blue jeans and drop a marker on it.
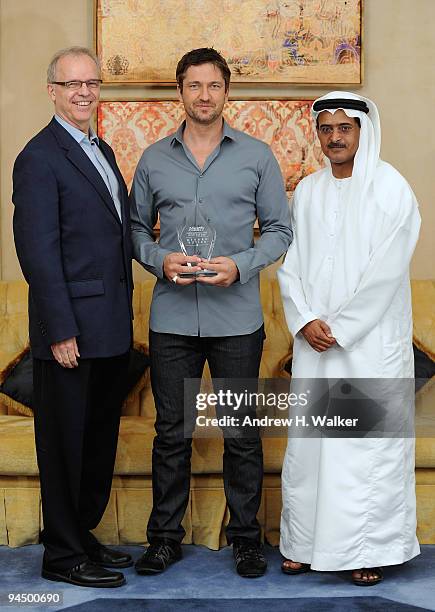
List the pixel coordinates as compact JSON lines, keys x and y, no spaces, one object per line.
{"x":174,"y":358}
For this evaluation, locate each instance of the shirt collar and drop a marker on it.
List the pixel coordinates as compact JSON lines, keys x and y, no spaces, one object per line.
{"x":77,"y":134}
{"x":227,"y":132}
{"x":92,"y":136}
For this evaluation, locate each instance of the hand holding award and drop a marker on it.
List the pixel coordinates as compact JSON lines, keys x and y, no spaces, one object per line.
{"x":196,"y":237}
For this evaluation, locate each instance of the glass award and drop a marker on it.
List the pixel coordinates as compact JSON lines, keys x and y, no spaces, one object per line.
{"x":196,"y":237}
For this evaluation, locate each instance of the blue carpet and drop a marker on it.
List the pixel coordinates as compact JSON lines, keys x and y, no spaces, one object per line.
{"x":305,"y":604}
{"x":208,"y":575}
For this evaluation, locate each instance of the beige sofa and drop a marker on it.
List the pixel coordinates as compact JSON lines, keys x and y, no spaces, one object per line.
{"x":130,"y":503}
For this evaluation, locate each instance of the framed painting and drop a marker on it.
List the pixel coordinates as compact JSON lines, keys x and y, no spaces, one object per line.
{"x":263,"y":41}
{"x":286,"y":125}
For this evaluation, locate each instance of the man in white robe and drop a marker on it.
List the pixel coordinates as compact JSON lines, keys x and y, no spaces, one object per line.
{"x":349,"y":503}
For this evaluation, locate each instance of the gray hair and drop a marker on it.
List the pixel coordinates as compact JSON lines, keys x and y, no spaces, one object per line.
{"x":51,"y":70}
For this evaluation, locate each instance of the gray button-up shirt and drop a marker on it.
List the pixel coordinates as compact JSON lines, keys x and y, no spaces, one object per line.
{"x":239,"y":182}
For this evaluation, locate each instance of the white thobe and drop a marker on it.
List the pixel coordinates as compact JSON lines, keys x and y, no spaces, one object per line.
{"x":350,"y":503}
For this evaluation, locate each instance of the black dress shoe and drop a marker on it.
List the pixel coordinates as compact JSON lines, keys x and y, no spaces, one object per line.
{"x":106,"y":557}
{"x":85,"y":574}
{"x":250,"y":561}
{"x":158,"y":556}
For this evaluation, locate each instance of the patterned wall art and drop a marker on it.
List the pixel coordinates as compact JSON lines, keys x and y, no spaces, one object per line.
{"x":286,"y":125}
{"x":267,"y":41}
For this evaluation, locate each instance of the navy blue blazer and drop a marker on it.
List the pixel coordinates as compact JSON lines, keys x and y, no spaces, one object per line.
{"x":73,"y":250}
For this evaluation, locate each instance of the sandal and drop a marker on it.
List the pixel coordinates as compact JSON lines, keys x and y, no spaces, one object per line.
{"x":369,"y":582}
{"x":304,"y":567}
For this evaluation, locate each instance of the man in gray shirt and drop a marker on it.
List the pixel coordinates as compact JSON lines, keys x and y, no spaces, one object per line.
{"x":230,"y":179}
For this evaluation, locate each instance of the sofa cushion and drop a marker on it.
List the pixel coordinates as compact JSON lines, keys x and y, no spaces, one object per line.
{"x":18,"y":456}
{"x":133,"y":457}
{"x":14,"y":334}
{"x":423,"y":301}
{"x":424,"y":368}
{"x":278,"y":345}
{"x":135,"y":449}
{"x":16,"y":390}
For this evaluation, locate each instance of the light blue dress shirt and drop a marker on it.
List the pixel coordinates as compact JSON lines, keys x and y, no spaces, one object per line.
{"x":89,"y":144}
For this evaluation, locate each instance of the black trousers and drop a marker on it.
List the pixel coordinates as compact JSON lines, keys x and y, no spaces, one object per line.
{"x":77,"y":413}
{"x":174,"y":358}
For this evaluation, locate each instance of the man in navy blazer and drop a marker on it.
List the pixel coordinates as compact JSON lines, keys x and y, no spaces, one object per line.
{"x":72,"y":235}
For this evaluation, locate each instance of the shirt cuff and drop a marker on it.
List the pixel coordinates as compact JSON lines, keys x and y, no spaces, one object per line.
{"x":340,"y":337}
{"x":158,"y":262}
{"x":301,"y":321}
{"x":242,"y":267}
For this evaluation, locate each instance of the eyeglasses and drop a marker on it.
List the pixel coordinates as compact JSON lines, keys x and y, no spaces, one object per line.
{"x":91,"y":84}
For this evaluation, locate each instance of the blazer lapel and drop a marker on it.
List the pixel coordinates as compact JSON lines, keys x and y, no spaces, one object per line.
{"x":109,"y":155}
{"x":81,"y":161}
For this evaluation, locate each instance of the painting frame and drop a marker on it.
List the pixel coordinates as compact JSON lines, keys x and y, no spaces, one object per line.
{"x":119,"y":81}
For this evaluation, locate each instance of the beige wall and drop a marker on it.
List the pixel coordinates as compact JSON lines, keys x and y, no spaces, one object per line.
{"x":399,"y":76}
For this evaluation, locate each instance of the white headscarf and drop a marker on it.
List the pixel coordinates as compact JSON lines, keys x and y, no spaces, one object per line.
{"x":367,"y":156}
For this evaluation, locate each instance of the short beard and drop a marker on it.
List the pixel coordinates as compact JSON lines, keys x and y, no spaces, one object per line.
{"x":204,"y":120}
